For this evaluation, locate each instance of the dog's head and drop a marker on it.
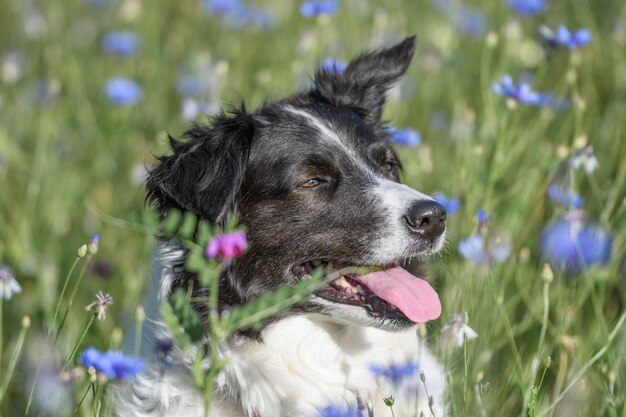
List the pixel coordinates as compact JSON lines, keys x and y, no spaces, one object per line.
{"x":315,"y":182}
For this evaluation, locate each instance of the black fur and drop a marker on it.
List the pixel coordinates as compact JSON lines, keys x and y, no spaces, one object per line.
{"x":256,"y":164}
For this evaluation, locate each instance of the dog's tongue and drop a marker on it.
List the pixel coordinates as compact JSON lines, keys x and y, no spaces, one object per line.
{"x":413,"y":296}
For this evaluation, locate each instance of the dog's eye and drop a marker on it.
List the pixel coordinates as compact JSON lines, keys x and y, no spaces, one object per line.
{"x":311,"y":183}
{"x":391,"y":167}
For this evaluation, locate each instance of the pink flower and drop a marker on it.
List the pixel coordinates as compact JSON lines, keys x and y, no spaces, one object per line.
{"x":227,"y":246}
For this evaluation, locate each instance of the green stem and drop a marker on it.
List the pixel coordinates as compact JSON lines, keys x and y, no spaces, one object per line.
{"x":295,"y":298}
{"x":58,"y":307}
{"x":1,"y":332}
{"x":80,"y":340}
{"x":534,"y":366}
{"x":82,"y":399}
{"x":588,"y":365}
{"x":16,"y":354}
{"x":70,"y":303}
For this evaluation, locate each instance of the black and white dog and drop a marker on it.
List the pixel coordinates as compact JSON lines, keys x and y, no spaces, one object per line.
{"x":315,"y":182}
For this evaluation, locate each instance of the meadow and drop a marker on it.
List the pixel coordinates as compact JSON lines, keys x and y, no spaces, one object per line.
{"x":532,"y":168}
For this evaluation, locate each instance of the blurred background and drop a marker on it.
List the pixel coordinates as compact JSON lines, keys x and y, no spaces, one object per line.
{"x":530,"y":166}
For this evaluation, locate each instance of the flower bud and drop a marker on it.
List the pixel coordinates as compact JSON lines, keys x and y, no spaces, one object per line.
{"x":95,"y":242}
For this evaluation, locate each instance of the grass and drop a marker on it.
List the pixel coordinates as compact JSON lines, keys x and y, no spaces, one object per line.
{"x":70,"y":162}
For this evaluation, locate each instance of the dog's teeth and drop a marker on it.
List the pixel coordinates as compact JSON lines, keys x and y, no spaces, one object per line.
{"x":341,"y":281}
{"x":359,"y":289}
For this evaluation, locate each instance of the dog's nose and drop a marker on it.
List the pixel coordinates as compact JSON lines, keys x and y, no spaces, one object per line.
{"x":426,"y":218}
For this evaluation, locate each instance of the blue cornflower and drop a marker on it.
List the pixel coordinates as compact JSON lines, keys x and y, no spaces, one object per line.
{"x":93,"y":358}
{"x":451,"y":205}
{"x":248,"y":16}
{"x":112,"y":364}
{"x":564,"y":196}
{"x":469,"y":21}
{"x":521,"y":92}
{"x":572,"y":40}
{"x":310,"y":9}
{"x":123,"y":91}
{"x":333,"y":65}
{"x":101,"y":3}
{"x":404,"y":137}
{"x":480,"y":250}
{"x":336,"y":411}
{"x":220,"y":7}
{"x":121,"y":43}
{"x":396,"y":373}
{"x":570,"y":245}
{"x":527,"y":7}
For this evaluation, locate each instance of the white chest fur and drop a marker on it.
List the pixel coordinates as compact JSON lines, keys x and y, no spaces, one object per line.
{"x":304,"y":364}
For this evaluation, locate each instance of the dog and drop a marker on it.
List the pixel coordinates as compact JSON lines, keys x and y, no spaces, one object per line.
{"x":316,"y":183}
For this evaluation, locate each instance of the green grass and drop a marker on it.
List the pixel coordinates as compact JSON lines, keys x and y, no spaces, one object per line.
{"x":67,"y":172}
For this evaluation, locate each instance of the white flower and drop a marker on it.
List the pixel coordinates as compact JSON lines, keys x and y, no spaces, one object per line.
{"x":103,"y":301}
{"x":456,"y":332}
{"x":586,"y":158}
{"x":8,"y":284}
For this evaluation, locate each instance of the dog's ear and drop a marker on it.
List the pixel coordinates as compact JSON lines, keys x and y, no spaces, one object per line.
{"x":204,"y":174}
{"x":366,"y":79}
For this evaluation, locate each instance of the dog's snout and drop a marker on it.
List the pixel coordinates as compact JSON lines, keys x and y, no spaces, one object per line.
{"x":426,"y":218}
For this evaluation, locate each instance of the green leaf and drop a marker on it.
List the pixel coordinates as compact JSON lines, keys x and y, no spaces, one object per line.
{"x":187,"y":317}
{"x":188,"y":227}
{"x":170,"y":225}
{"x":174,"y":326}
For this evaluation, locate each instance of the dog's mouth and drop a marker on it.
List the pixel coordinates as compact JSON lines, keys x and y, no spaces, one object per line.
{"x":387,"y":291}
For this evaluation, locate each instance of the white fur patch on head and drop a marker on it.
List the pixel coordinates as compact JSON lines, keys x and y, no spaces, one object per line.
{"x":396,"y":242}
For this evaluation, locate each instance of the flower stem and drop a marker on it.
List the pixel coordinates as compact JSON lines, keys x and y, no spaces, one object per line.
{"x":72,"y":296}
{"x":588,"y":365}
{"x":1,"y":332}
{"x":80,"y":340}
{"x":58,"y":307}
{"x":534,"y":366}
{"x":16,"y":354}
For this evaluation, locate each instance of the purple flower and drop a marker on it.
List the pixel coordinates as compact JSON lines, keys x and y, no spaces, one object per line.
{"x":311,"y":9}
{"x":112,"y":364}
{"x":121,"y":43}
{"x":123,"y":92}
{"x":227,"y":246}
{"x":564,"y":196}
{"x":8,"y":283}
{"x":396,"y":373}
{"x":571,"y":245}
{"x":404,"y":137}
{"x":451,"y":205}
{"x":333,"y":65}
{"x":521,"y":92}
{"x":480,"y":250}
{"x":527,"y":7}
{"x":336,"y":411}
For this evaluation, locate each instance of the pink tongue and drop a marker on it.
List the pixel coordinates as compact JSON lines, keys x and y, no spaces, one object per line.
{"x":413,"y":296}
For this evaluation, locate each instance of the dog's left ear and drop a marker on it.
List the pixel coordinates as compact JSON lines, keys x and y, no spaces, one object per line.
{"x":204,"y":174}
{"x":363,"y":84}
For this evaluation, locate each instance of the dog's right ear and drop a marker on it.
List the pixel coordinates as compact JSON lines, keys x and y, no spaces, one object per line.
{"x":204,"y":174}
{"x":362,"y":86}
